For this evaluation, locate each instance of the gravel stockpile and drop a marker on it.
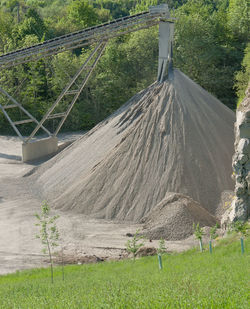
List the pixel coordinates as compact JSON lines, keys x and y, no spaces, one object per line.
{"x":171,"y":137}
{"x":173,"y":218}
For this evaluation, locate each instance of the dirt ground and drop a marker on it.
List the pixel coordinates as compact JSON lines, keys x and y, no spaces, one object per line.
{"x":81,"y":236}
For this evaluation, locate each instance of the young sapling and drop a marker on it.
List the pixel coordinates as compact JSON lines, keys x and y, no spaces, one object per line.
{"x":198,"y":234}
{"x":48,"y":233}
{"x":240,"y":227}
{"x":161,"y":250}
{"x":213,"y":235}
{"x":133,"y":245}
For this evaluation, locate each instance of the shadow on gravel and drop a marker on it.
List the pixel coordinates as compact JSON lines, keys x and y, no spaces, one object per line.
{"x":10,"y":157}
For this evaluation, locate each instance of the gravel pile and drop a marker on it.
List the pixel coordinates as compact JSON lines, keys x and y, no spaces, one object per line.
{"x":173,"y":218}
{"x":170,"y":137}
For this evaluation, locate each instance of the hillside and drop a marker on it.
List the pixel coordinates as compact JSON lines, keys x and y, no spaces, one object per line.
{"x":188,"y":280}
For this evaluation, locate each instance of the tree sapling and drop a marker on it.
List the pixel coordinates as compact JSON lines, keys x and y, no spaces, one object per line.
{"x":133,"y":245}
{"x":161,"y":250}
{"x":198,"y":234}
{"x":213,"y":235}
{"x":48,"y":233}
{"x":240,"y":227}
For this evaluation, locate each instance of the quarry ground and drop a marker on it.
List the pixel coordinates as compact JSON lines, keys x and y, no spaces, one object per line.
{"x":83,"y":239}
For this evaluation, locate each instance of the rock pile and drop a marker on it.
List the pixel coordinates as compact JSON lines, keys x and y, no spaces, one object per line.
{"x":173,"y":218}
{"x":241,"y":162}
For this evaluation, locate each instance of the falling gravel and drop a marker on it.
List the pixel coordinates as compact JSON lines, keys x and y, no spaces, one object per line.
{"x":170,"y":137}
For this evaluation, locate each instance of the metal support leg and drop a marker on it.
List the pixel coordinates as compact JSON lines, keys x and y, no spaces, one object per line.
{"x":81,"y":88}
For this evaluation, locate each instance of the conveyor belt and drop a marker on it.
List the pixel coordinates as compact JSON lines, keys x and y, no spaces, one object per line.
{"x":83,"y":37}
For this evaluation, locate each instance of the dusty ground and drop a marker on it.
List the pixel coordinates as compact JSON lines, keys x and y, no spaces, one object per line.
{"x":19,"y":249}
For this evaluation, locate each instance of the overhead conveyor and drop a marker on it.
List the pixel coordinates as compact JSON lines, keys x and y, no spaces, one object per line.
{"x":98,"y":35}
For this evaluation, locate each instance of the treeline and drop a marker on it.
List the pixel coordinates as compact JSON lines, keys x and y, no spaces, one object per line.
{"x":210,"y":46}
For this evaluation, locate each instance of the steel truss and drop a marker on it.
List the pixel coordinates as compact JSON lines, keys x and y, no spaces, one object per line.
{"x":15,"y":124}
{"x":70,"y":90}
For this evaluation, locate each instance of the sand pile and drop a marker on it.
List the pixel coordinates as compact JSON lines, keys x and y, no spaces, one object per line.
{"x":174,"y":216}
{"x":171,"y":137}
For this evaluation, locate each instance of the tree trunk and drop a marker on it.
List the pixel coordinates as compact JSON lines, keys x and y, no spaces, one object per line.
{"x":62,"y":265}
{"x":18,"y":13}
{"x":201,"y":246}
{"x":210,"y":246}
{"x":51,"y":262}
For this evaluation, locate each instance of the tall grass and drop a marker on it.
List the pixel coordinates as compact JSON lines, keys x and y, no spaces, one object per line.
{"x":188,"y":280}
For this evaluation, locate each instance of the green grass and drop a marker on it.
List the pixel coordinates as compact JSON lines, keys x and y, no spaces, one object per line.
{"x":188,"y":280}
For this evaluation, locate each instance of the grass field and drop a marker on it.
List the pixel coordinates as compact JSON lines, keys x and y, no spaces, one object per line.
{"x":188,"y":280}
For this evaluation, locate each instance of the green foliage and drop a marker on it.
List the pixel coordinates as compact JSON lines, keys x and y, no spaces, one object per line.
{"x":206,"y":49}
{"x":212,"y":232}
{"x":238,"y":18}
{"x":143,"y":5}
{"x":81,"y":14}
{"x":188,"y":280}
{"x":133,"y":245}
{"x":240,"y":227}
{"x":5,"y":30}
{"x":198,"y":232}
{"x":32,"y":25}
{"x":48,"y":234}
{"x":243,"y":76}
{"x":162,"y":247}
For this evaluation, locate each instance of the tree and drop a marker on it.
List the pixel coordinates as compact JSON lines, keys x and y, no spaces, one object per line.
{"x":238,"y":18}
{"x":198,"y":234}
{"x":205,"y":50}
{"x":143,"y":5}
{"x":6,"y":25}
{"x":48,"y":234}
{"x":33,"y":24}
{"x":213,"y":235}
{"x":14,"y":6}
{"x":82,"y":14}
{"x":134,"y":244}
{"x":241,"y":228}
{"x":161,"y":250}
{"x":243,"y":77}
